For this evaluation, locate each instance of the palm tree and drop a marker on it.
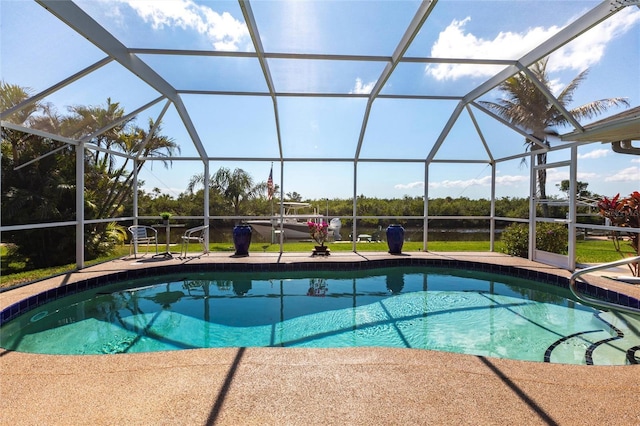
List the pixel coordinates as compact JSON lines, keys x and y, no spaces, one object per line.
{"x":131,"y":142}
{"x":11,"y":95}
{"x":527,"y":107}
{"x":107,"y":180}
{"x":85,"y":120}
{"x":236,"y":186}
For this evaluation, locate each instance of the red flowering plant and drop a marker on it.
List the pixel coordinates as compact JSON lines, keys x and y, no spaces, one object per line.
{"x":319,"y":231}
{"x":623,"y":212}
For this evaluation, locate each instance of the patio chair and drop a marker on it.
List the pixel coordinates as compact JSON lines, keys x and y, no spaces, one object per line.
{"x":141,"y":234}
{"x":196,"y":234}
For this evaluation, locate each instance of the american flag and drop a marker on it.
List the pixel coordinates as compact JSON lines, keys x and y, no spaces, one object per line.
{"x":270,"y":185}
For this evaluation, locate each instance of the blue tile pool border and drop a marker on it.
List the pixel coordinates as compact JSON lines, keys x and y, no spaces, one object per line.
{"x":46,"y":296}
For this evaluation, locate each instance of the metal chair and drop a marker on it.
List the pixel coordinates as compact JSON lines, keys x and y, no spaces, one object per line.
{"x":194,"y":234}
{"x":141,"y":234}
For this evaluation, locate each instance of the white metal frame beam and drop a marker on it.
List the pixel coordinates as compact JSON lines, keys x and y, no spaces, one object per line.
{"x":62,"y":139}
{"x":582,"y":24}
{"x":152,"y":131}
{"x":585,"y":22}
{"x":35,"y":98}
{"x":120,"y":120}
{"x":540,"y":144}
{"x":247,"y":12}
{"x":78,"y":20}
{"x":547,"y":94}
{"x":412,"y":31}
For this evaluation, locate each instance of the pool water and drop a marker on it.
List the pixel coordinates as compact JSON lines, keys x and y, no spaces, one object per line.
{"x":422,"y":308}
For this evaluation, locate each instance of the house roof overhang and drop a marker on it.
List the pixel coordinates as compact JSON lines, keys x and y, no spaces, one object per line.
{"x":624,"y":126}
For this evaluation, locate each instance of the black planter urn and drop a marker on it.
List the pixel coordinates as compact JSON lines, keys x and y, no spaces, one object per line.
{"x":321,"y":251}
{"x":242,"y":239}
{"x":395,"y":238}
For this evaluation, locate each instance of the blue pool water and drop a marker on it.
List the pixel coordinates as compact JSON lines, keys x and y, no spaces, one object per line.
{"x":422,"y":308}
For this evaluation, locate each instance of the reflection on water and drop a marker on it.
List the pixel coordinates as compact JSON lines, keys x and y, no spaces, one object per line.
{"x":317,"y":287}
{"x":395,"y":281}
{"x":241,"y":287}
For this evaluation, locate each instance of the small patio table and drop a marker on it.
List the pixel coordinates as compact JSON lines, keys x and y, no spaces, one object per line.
{"x":167,"y":254}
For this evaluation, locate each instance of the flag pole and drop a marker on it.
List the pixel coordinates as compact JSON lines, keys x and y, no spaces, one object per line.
{"x":270,"y":196}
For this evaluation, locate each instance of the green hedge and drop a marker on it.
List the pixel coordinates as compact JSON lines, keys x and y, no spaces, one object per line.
{"x":551,"y":237}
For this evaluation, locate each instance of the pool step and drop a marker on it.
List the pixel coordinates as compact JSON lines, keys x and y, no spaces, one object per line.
{"x":617,"y":343}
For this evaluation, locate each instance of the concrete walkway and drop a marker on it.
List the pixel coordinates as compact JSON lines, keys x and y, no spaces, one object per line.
{"x":276,"y":386}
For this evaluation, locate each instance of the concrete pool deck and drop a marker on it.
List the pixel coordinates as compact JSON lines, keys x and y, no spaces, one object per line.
{"x":274,"y":386}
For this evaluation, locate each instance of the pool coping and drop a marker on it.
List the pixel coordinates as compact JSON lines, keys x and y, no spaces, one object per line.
{"x":307,"y":386}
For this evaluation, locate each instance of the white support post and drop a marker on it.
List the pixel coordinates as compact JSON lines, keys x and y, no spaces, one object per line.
{"x":206,"y":204}
{"x":532,"y":206}
{"x":573,"y":209}
{"x":281,"y":206}
{"x":80,"y":205}
{"x":135,"y":201}
{"x":425,"y":237}
{"x":355,"y":206}
{"x":135,"y":191}
{"x":492,"y":220}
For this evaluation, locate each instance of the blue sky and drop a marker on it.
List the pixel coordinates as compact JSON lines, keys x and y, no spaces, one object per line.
{"x":329,"y":127}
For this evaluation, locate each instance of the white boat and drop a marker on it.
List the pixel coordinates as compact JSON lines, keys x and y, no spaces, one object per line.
{"x":293,"y":223}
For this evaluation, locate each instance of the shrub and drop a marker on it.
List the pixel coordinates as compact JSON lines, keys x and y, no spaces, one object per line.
{"x":551,"y":237}
{"x":516,"y":240}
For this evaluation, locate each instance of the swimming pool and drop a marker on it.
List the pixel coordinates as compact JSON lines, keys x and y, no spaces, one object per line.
{"x":410,"y":307}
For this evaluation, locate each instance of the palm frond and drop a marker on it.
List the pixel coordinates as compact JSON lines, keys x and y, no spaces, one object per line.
{"x":595,"y":108}
{"x":566,"y":95}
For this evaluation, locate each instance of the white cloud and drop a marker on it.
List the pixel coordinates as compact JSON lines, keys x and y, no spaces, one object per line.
{"x":361,"y":88}
{"x":583,"y":52}
{"x":461,"y":183}
{"x":454,"y":42}
{"x":223,"y":30}
{"x":583,"y":176}
{"x":589,"y":48}
{"x":412,"y":185}
{"x":557,"y":175}
{"x":598,"y":153}
{"x":630,"y":174}
{"x":508,"y":180}
{"x":511,"y":179}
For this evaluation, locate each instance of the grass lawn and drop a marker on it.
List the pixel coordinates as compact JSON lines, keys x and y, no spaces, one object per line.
{"x":591,"y":251}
